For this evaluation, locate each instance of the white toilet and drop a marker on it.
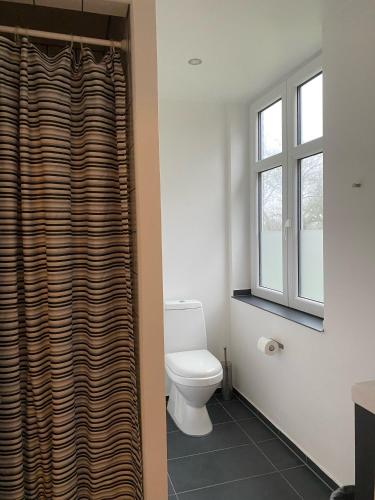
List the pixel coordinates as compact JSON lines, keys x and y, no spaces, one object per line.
{"x":193,"y":372}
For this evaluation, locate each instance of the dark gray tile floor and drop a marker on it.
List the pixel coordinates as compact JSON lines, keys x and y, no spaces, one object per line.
{"x":242,"y":459}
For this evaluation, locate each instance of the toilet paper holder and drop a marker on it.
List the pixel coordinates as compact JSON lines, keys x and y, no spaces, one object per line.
{"x":269,"y":346}
{"x":281,"y":346}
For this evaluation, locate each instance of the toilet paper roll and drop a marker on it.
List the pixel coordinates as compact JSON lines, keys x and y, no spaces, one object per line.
{"x":268,"y":346}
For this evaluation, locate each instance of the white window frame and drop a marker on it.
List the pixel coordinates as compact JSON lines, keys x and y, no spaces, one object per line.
{"x":289,"y":159}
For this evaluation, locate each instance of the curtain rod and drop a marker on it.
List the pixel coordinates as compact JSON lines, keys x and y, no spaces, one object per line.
{"x":62,"y":36}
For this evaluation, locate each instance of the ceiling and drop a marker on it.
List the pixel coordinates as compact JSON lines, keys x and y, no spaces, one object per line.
{"x":246,"y":45}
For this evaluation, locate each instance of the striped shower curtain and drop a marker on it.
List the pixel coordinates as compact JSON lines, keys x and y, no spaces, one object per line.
{"x":69,"y":424}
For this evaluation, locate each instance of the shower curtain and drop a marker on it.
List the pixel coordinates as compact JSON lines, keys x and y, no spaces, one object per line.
{"x":69,"y":425}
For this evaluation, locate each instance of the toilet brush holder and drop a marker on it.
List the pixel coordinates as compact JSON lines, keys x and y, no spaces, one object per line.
{"x":227,"y":388}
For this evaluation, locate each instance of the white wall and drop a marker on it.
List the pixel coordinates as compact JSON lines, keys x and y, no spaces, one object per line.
{"x":238,"y":193}
{"x":305,"y":390}
{"x":193,"y":189}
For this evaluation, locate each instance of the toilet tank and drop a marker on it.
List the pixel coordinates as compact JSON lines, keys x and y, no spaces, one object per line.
{"x":184,"y":326}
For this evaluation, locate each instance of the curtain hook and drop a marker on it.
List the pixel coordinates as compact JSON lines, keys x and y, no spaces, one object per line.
{"x":112,"y":46}
{"x":71,"y":42}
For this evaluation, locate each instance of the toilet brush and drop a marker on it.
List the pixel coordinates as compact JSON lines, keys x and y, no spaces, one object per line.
{"x":227,"y":389}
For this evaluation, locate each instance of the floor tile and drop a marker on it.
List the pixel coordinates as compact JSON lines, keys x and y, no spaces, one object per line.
{"x":219,"y":397}
{"x":217,"y":414}
{"x":170,"y":488}
{"x":311,"y":465}
{"x":213,"y":400}
{"x":227,"y":465}
{"x":212,"y":468}
{"x":171,"y":426}
{"x":256,"y":430}
{"x":248,"y":404}
{"x":223,"y":436}
{"x":307,"y":484}
{"x":237,"y":409}
{"x":292,"y":446}
{"x":270,"y":487}
{"x":279,"y":454}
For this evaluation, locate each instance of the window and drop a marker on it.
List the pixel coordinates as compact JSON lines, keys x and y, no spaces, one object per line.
{"x":310,"y":109}
{"x":287,"y":192}
{"x":270,"y":224}
{"x":270,"y":130}
{"x":310,"y":228}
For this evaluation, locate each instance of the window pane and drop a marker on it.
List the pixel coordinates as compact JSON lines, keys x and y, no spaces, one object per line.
{"x":310,"y":109}
{"x":270,"y":130}
{"x":311,"y":228}
{"x":270,"y":229}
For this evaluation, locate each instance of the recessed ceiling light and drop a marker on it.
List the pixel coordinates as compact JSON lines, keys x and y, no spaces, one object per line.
{"x":195,"y":61}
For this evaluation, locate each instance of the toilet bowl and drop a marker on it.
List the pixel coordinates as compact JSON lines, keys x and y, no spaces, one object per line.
{"x":194,"y":377}
{"x":193,"y":373}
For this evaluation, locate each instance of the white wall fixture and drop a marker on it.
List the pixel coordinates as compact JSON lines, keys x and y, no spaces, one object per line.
{"x":195,"y":61}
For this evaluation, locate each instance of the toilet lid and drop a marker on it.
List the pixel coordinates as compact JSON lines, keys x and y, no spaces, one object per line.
{"x":193,"y":364}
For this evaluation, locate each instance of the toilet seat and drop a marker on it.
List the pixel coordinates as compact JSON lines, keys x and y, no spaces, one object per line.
{"x":193,"y":368}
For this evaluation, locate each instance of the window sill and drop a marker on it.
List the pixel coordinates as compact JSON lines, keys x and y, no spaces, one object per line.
{"x":300,"y":317}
